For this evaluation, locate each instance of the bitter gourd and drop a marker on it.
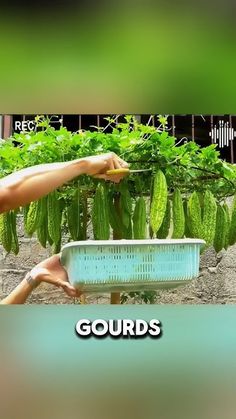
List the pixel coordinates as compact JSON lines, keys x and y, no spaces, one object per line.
{"x":163,"y":231}
{"x":15,"y":242}
{"x":227,"y":227}
{"x":54,"y":217}
{"x":84,"y":216}
{"x":209,"y":218}
{"x":158,"y":202}
{"x":194,"y":215}
{"x":201,"y":198}
{"x":56,"y":247}
{"x":232,"y":233}
{"x":33,"y":217}
{"x":187,"y":231}
{"x":125,"y":206}
{"x":114,"y":217}
{"x":42,"y":229}
{"x":73,"y":216}
{"x":6,"y":231}
{"x":100,"y":214}
{"x":220,"y":231}
{"x":50,"y":241}
{"x":178,"y":215}
{"x":42,"y":210}
{"x":25,"y":212}
{"x":139,"y":219}
{"x":128,"y":233}
{"x":42,"y":233}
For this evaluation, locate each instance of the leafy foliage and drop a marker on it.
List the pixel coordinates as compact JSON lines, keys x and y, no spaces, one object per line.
{"x":185,"y":165}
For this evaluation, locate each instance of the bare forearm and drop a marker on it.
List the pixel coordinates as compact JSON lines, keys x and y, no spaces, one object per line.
{"x":56,"y":276}
{"x":20,"y":294}
{"x":34,"y":182}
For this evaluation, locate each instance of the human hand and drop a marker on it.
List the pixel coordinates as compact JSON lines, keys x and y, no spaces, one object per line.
{"x":52,"y":272}
{"x":97,"y":166}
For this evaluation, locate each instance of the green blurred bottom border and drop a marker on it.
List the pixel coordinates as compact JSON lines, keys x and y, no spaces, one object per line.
{"x":47,"y":370}
{"x":190,"y":334}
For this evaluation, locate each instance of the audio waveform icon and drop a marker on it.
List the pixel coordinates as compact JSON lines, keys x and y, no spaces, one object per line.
{"x":222,"y":135}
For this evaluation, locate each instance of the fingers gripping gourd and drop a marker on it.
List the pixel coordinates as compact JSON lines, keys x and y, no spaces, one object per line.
{"x":159,"y":201}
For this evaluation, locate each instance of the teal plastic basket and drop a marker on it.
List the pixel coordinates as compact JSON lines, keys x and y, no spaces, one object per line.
{"x":131,"y":265}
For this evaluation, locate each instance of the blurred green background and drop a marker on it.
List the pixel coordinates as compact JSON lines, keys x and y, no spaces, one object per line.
{"x":126,"y":57}
{"x":47,"y":371}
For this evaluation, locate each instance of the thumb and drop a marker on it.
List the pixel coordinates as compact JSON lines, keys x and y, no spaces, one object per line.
{"x":68,"y":288}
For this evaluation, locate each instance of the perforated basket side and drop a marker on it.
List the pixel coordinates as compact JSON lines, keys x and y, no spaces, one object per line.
{"x":125,"y":264}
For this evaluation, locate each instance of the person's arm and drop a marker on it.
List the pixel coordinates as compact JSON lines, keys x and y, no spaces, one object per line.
{"x":26,"y":185}
{"x":50,"y":271}
{"x":20,"y":294}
